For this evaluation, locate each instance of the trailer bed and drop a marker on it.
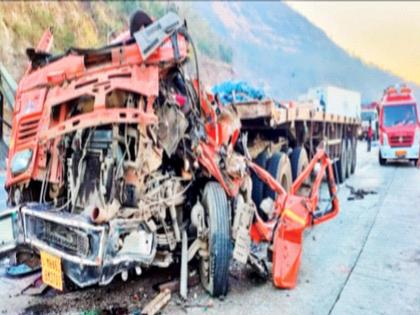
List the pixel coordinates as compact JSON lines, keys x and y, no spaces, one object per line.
{"x":277,"y":115}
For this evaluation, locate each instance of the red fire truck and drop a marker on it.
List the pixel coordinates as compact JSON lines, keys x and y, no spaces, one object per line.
{"x":399,"y":127}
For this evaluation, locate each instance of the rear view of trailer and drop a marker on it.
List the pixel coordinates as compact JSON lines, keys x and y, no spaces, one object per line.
{"x":283,"y":139}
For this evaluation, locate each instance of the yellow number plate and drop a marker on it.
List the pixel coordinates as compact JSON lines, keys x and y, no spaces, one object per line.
{"x":51,"y":270}
{"x":400,"y":153}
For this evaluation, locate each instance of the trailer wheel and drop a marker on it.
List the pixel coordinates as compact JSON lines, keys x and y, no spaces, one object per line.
{"x":349,"y":160}
{"x":336,"y":169}
{"x":354,"y":157}
{"x":342,"y":162}
{"x":257,"y":184}
{"x":299,"y":161}
{"x":382,"y":161}
{"x":279,"y":167}
{"x":214,"y":269}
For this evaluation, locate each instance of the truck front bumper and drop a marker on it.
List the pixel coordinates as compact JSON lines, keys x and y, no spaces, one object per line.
{"x":90,"y":254}
{"x":399,"y":153}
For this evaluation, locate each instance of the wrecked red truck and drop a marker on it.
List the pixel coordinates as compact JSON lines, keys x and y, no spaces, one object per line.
{"x":119,"y":161}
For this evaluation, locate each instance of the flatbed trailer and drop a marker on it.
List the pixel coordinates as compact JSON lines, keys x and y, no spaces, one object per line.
{"x":296,"y":132}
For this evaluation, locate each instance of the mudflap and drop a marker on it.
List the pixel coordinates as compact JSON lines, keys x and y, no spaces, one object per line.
{"x":9,"y":230}
{"x":287,"y":244}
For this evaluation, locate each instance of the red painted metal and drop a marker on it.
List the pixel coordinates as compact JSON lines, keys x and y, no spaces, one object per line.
{"x":293,"y":213}
{"x":74,"y":76}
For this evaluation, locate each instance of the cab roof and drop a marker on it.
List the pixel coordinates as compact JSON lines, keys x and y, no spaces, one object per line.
{"x":402,"y":96}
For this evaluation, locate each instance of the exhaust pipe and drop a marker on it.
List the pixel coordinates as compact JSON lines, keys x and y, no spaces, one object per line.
{"x":106,"y":213}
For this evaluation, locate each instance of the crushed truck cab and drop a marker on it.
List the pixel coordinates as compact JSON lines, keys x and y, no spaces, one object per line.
{"x":119,"y":161}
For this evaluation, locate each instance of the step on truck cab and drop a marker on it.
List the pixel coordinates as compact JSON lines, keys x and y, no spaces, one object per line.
{"x":399,"y":127}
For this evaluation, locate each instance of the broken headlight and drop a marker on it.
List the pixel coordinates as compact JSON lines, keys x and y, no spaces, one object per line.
{"x":20,"y":161}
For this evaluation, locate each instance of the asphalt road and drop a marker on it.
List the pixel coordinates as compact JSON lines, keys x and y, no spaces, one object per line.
{"x":366,"y":261}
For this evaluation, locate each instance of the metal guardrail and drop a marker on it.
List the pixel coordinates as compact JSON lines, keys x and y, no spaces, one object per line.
{"x":8,"y":88}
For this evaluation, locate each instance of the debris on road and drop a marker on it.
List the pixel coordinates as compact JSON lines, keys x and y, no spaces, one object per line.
{"x":155,"y":305}
{"x":259,"y":267}
{"x":37,"y":287}
{"x":174,"y":285}
{"x":358,"y":194}
{"x":208,"y":304}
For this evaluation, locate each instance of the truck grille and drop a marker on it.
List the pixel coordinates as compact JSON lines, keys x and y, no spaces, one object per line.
{"x":27,"y":131}
{"x":69,"y":239}
{"x":401,"y":141}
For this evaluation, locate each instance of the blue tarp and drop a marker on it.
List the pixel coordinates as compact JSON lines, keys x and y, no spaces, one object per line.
{"x":237,"y":91}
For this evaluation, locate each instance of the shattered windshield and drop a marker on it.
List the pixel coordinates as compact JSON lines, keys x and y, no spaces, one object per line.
{"x":400,"y":115}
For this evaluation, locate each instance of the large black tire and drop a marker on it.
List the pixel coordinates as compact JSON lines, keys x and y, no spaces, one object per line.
{"x":382,"y":161}
{"x":354,"y":159}
{"x":257,"y":184}
{"x":342,"y":162}
{"x":279,"y":167}
{"x":214,"y":269}
{"x":299,"y":161}
{"x":349,"y":160}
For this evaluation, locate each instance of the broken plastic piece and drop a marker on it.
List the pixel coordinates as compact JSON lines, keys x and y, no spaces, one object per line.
{"x":150,"y":38}
{"x":21,"y":270}
{"x":155,"y":305}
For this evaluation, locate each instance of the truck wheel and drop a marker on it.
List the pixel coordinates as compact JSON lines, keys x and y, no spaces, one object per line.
{"x":257,"y":184}
{"x":349,"y":161}
{"x":279,"y":167}
{"x":354,"y":157}
{"x":382,"y":161}
{"x":336,"y":169}
{"x":214,"y":269}
{"x":299,"y":161}
{"x":342,"y":162}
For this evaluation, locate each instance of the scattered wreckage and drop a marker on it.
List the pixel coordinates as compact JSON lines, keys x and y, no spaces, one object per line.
{"x":119,"y":162}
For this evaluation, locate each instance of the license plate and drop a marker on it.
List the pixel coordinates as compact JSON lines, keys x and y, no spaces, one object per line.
{"x":400,"y":153}
{"x":51,"y":270}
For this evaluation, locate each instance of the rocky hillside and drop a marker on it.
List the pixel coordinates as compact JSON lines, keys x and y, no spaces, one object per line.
{"x":277,"y":48}
{"x":89,"y":24}
{"x":266,"y":43}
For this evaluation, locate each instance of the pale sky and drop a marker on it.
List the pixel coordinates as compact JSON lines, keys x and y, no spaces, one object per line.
{"x":386,"y":34}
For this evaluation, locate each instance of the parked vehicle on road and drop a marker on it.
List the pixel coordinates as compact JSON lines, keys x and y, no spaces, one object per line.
{"x":399,"y":127}
{"x":334,"y":100}
{"x":369,"y":116}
